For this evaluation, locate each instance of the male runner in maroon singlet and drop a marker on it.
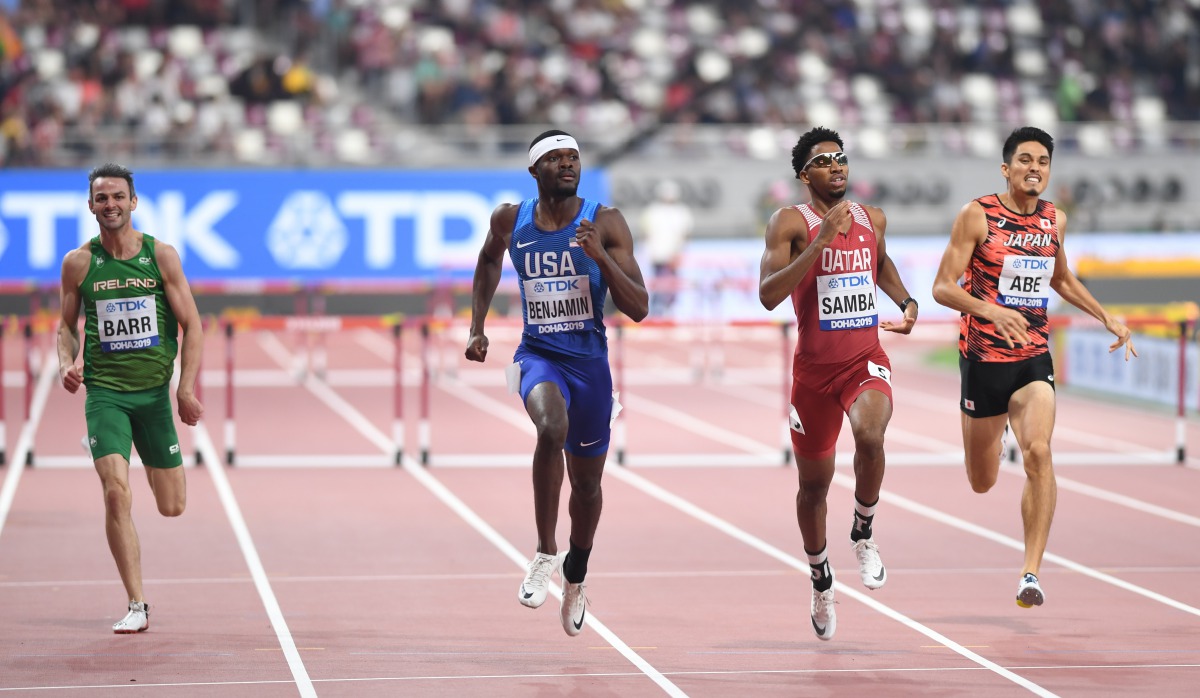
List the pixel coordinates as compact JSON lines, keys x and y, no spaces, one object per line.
{"x":1008,"y":250}
{"x":829,"y":256}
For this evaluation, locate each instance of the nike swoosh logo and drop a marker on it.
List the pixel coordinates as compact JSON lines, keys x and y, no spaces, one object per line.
{"x":590,"y":443}
{"x":579,"y":625}
{"x":819,"y":629}
{"x":523,"y":245}
{"x":560,"y":139}
{"x":879,"y":577}
{"x":528,"y":594}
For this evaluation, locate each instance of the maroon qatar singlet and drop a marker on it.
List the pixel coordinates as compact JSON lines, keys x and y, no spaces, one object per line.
{"x":835,"y":302}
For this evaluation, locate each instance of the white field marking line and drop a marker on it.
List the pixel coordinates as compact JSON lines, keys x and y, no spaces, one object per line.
{"x":1114,"y":498}
{"x":683,"y":420}
{"x":611,"y":674}
{"x":742,"y":536}
{"x":242,"y":532}
{"x":271,"y":344}
{"x":687,"y":507}
{"x":699,"y":427}
{"x":492,"y":576}
{"x":961,"y":524}
{"x":929,"y":402}
{"x":347,"y":411}
{"x":491,"y":535}
{"x":484,"y":529}
{"x":16,"y":463}
{"x":967,"y":526}
{"x":848,"y":482}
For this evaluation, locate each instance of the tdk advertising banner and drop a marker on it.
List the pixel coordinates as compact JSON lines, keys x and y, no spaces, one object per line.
{"x":269,"y":225}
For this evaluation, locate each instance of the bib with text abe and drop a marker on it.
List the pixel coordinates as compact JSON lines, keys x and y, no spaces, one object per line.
{"x":1025,"y":282}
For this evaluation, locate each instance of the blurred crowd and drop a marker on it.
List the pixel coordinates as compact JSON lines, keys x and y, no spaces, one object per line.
{"x":260,"y":81}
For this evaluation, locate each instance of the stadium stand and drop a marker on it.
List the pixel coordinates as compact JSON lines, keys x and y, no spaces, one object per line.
{"x":363,"y":82}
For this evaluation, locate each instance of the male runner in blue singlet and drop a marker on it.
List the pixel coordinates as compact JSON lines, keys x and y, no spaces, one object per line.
{"x":568,"y":252}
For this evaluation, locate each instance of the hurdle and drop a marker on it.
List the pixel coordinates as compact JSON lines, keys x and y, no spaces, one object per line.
{"x":312,"y":374}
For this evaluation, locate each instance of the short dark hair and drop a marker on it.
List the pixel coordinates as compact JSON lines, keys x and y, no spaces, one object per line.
{"x":1024,"y":135}
{"x":111,"y":169}
{"x":804,"y":146}
{"x":551,"y":132}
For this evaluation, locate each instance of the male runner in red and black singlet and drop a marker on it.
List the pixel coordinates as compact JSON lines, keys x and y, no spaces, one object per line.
{"x":829,"y":256}
{"x":1008,"y":250}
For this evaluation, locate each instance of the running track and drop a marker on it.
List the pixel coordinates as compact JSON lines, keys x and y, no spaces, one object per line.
{"x":360,"y":581}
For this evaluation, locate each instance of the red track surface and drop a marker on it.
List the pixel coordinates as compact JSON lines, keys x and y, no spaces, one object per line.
{"x":384,"y":589}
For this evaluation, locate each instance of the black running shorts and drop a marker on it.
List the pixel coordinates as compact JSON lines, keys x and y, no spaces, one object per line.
{"x":987,"y":386}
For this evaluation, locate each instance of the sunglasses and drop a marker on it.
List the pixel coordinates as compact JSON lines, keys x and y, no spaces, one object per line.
{"x":827,"y":160}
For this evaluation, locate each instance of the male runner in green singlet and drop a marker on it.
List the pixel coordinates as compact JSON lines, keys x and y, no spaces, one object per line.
{"x":134,"y":298}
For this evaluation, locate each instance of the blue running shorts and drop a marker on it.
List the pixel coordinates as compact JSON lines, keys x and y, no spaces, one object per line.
{"x":586,"y":384}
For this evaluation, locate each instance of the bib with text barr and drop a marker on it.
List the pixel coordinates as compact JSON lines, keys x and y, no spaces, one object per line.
{"x":127,"y":324}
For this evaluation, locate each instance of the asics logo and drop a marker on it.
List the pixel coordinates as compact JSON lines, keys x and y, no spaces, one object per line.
{"x":523,"y":245}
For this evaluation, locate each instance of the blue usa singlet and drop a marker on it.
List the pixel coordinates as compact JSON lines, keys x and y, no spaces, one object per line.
{"x":562,"y":290}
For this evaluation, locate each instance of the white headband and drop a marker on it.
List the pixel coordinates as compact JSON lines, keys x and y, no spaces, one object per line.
{"x":549,"y":143}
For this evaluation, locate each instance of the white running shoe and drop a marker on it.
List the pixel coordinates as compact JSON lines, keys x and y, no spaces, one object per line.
{"x":824,"y":617}
{"x":532,"y":592}
{"x":573,"y":608}
{"x":137,"y":620}
{"x":1029,"y":592}
{"x":870,"y":567}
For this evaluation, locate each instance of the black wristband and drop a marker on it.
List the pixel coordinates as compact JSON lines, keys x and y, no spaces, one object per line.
{"x":904,"y":303}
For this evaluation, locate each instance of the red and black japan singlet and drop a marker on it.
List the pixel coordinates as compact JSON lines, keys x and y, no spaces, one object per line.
{"x":1012,"y":267}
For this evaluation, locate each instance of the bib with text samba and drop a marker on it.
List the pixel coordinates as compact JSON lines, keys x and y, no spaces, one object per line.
{"x":846,"y":301}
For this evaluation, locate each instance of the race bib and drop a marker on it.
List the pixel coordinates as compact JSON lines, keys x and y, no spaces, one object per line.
{"x":846,"y":301}
{"x":127,"y":324}
{"x":1025,"y":282}
{"x":558,"y":304}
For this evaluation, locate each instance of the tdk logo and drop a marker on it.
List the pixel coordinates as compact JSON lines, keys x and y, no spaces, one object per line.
{"x":556,"y":285}
{"x":126,"y":306}
{"x":850,"y":281}
{"x":1032,"y":264}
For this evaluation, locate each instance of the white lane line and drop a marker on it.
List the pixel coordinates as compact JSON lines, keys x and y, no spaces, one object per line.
{"x":1114,"y":498}
{"x":484,"y":529}
{"x":961,"y":524}
{"x":945,"y":450}
{"x":491,"y":535}
{"x":16,"y":462}
{"x":681,"y":504}
{"x":653,"y":490}
{"x":975,"y":529}
{"x":215,"y":467}
{"x":492,"y":576}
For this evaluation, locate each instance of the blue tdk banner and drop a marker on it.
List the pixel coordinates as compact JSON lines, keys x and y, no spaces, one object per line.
{"x":272,"y":225}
